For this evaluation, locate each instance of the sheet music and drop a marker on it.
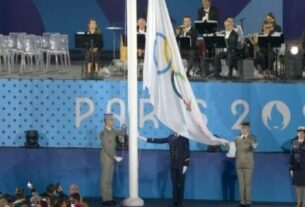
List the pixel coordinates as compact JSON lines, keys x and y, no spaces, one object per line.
{"x":208,"y":21}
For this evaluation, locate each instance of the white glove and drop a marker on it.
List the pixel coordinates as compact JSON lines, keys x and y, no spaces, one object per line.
{"x":232,"y":150}
{"x":291,"y":173}
{"x":118,"y":159}
{"x":184,"y":169}
{"x":254,"y":145}
{"x":142,"y":138}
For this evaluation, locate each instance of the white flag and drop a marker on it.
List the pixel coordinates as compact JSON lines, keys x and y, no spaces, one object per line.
{"x":164,"y":76}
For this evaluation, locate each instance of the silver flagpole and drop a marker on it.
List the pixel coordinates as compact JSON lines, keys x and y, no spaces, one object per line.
{"x":133,"y":199}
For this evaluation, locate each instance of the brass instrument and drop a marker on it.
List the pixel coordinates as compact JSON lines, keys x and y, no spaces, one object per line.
{"x":180,"y":30}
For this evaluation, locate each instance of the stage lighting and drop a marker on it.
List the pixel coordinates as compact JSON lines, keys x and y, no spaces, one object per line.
{"x":294,"y":59}
{"x":31,"y":139}
{"x":294,"y":50}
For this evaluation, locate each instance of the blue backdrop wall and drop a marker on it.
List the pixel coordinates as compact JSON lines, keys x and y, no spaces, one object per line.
{"x":70,"y":16}
{"x":211,"y":176}
{"x":69,"y":113}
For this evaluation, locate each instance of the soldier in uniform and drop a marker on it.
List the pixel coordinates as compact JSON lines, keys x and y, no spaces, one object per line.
{"x":179,"y":161}
{"x":245,"y":145}
{"x":297,"y":165}
{"x":109,"y":157}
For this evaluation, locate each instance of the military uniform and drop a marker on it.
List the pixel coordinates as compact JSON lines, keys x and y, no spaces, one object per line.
{"x":179,"y":157}
{"x":297,"y":162}
{"x":108,"y":154}
{"x":244,"y":166}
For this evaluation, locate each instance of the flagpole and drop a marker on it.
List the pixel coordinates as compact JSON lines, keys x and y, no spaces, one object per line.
{"x":133,"y":199}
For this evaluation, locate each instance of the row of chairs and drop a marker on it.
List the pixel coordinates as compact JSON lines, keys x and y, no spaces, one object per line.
{"x":33,"y":53}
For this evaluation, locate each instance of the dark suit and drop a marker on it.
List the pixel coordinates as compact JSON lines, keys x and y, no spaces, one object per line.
{"x":230,"y":54}
{"x":297,"y":162}
{"x":213,"y":14}
{"x":189,"y":53}
{"x":179,"y":157}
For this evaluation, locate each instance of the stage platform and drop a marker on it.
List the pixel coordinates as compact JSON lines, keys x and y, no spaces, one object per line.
{"x":117,"y":71}
{"x":95,"y":202}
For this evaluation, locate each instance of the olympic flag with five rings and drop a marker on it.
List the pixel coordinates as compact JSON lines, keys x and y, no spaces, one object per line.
{"x":164,"y":75}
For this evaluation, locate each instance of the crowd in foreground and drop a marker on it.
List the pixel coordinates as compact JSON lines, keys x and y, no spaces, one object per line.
{"x":54,"y":196}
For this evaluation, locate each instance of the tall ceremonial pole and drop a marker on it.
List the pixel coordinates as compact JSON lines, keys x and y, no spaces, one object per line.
{"x":133,"y":199}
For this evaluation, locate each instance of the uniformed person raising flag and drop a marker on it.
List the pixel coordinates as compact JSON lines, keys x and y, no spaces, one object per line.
{"x":109,"y":157}
{"x":179,"y":162}
{"x":245,"y":145}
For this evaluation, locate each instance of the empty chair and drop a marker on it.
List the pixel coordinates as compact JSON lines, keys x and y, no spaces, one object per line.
{"x":5,"y":53}
{"x":30,"y":52}
{"x":16,"y":45}
{"x":59,"y":48}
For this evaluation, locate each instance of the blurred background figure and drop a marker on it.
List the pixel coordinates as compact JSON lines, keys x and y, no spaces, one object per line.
{"x":208,"y":12}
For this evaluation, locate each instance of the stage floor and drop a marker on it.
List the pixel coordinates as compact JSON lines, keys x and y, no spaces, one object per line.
{"x":193,"y":203}
{"x":117,"y":71}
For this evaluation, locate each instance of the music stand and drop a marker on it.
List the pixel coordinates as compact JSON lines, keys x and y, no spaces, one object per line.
{"x":206,"y":27}
{"x":185,"y":43}
{"x":215,"y":42}
{"x":88,"y":41}
{"x":141,"y":40}
{"x":113,"y":29}
{"x":270,"y":42}
{"x":84,"y":41}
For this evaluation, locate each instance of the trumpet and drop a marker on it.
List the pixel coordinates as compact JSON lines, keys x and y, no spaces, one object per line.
{"x":180,"y":29}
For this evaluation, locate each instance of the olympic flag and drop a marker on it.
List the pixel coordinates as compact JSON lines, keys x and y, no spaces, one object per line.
{"x":164,"y":76}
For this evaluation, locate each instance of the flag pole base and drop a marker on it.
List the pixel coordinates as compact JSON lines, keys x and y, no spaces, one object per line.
{"x":133,"y":202}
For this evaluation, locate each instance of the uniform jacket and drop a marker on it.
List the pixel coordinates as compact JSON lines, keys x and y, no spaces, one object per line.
{"x":244,"y":152}
{"x":297,"y":156}
{"x":179,"y":149}
{"x":108,"y":139}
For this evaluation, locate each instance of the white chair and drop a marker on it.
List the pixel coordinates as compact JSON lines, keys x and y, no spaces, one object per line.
{"x":16,"y":45}
{"x":64,"y":44}
{"x":39,"y":45}
{"x":5,"y":53}
{"x":59,"y":48}
{"x":30,"y":52}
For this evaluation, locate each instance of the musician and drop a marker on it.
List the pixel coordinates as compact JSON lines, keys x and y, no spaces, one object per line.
{"x":270,"y":18}
{"x":264,"y":57}
{"x":141,"y":29}
{"x":229,"y":53}
{"x":207,"y":12}
{"x":187,"y":30}
{"x":92,"y":55}
{"x":239,"y":31}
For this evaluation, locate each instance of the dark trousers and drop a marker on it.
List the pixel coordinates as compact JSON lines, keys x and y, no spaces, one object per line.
{"x":264,"y":59}
{"x":178,"y":186}
{"x":189,"y":55}
{"x":224,"y":55}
